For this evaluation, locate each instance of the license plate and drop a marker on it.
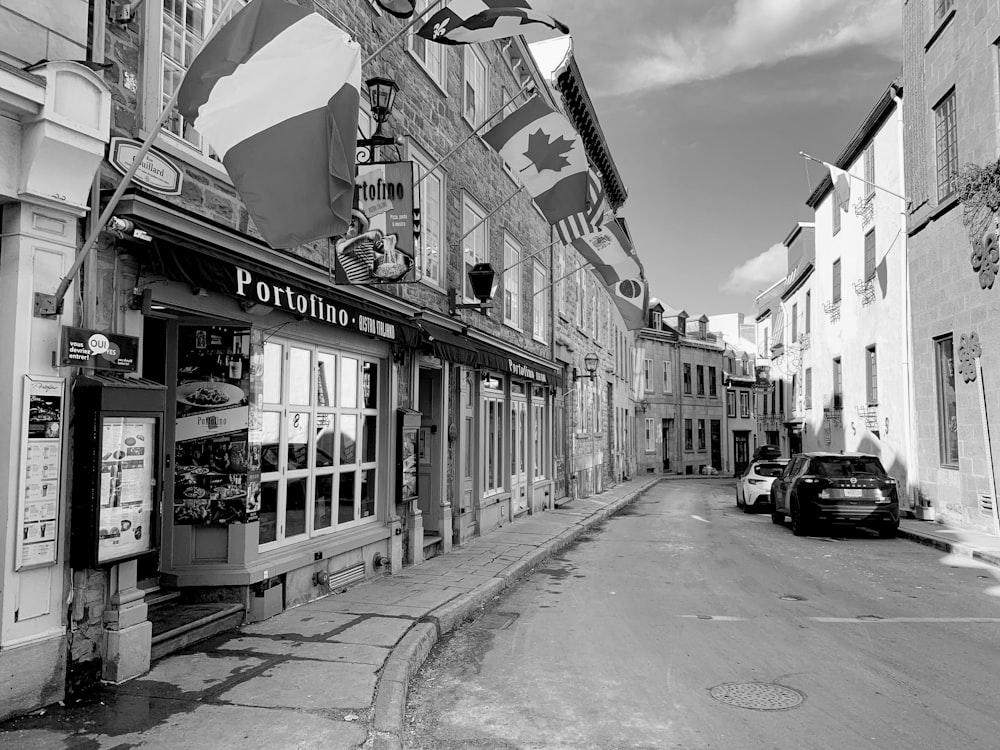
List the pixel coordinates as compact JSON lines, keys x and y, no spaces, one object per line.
{"x":852,"y":493}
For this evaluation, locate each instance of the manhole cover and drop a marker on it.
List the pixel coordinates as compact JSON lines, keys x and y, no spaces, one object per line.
{"x":760,"y":696}
{"x":792,"y":598}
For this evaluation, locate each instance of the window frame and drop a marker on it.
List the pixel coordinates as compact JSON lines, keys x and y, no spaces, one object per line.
{"x":730,"y":403}
{"x":838,"y":383}
{"x":472,"y":53}
{"x":477,"y":255}
{"x":647,"y":375}
{"x":687,"y":378}
{"x":428,"y":218}
{"x":946,"y":139}
{"x":539,"y":302}
{"x":870,"y":251}
{"x":835,"y":215}
{"x":436,"y":69}
{"x":871,"y":375}
{"x":713,"y":387}
{"x":869,"y":156}
{"x":700,"y":379}
{"x":744,"y":404}
{"x":688,"y":435}
{"x":650,"y":436}
{"x":808,"y":387}
{"x":512,"y":252}
{"x":836,"y":281}
{"x":668,"y":377}
{"x":702,"y":435}
{"x":795,"y":322}
{"x":946,"y":398}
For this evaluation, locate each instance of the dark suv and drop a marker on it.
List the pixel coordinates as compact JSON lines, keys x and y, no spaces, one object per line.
{"x":824,"y":488}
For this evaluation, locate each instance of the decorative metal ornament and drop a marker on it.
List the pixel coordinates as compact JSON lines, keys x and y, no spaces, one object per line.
{"x":985,"y":259}
{"x":969,"y":351}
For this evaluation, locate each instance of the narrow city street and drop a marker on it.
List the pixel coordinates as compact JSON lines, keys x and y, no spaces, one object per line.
{"x":684,"y":623}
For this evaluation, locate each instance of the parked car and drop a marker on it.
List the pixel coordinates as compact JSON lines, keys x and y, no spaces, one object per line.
{"x":753,"y":486}
{"x":825,"y":488}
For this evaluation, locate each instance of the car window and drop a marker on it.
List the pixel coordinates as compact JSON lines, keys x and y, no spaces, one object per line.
{"x":770,"y":469}
{"x":848,"y":467}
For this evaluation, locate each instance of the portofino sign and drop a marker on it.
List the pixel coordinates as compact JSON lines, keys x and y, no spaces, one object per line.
{"x":155,"y":173}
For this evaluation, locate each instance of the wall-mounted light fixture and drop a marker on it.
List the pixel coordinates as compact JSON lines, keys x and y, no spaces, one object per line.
{"x":481,"y":278}
{"x":644,"y":405}
{"x":122,"y":12}
{"x":590,"y":362}
{"x":382,"y":97}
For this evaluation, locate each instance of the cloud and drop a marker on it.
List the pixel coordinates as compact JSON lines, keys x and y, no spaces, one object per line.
{"x":758,"y":273}
{"x":761,"y":33}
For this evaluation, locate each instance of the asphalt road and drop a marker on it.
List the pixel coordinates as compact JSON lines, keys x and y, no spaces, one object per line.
{"x":683,"y":623}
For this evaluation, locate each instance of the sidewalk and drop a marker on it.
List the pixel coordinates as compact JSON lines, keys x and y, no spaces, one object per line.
{"x":984,"y":548}
{"x":329,"y":674}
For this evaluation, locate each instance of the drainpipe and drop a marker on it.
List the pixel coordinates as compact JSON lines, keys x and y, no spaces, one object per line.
{"x":912,"y":482}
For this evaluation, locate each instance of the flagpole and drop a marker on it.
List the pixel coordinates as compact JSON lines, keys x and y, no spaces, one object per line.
{"x":506,"y":200}
{"x":468,"y":138}
{"x":147,"y":144}
{"x":588,"y":264}
{"x":532,"y":255}
{"x":407,"y":27}
{"x":862,"y":179}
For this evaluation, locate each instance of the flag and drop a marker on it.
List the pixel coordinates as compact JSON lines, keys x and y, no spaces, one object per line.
{"x":276,"y":94}
{"x":398,"y":8}
{"x":592,"y":218}
{"x":631,"y":297}
{"x":541,"y":147}
{"x":477,"y":21}
{"x":609,"y":250}
{"x":841,"y":186}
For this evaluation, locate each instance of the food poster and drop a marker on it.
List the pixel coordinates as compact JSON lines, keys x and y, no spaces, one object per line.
{"x":127,"y":487}
{"x":256,"y":418}
{"x":42,"y":462}
{"x":212,"y":428}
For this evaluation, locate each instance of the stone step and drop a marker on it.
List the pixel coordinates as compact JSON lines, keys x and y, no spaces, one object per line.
{"x":177,"y":626}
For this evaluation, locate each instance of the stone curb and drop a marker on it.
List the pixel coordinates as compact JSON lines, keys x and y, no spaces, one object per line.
{"x":409,"y":654}
{"x":946,"y":546}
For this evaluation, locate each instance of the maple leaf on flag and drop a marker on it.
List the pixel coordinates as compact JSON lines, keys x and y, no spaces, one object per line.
{"x":547,"y":154}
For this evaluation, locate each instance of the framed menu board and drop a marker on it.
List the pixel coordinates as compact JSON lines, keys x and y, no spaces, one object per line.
{"x":41,"y":478}
{"x":127,"y":487}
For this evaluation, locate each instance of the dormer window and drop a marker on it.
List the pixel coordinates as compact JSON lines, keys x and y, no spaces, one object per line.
{"x":658,"y":321}
{"x":702,"y":329}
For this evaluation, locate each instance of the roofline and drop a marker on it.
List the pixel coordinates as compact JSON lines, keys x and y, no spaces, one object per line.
{"x":581,"y":111}
{"x":880,"y":112}
{"x":797,"y":229}
{"x":799,"y":282}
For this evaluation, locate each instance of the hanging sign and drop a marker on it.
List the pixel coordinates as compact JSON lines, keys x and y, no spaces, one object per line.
{"x":378,"y":247}
{"x":155,"y":172}
{"x":83,"y":347}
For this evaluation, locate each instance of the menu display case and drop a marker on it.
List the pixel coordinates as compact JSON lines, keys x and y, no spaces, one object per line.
{"x":118,"y":437}
{"x":407,"y":431}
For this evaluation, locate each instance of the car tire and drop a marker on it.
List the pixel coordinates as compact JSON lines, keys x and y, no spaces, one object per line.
{"x":776,"y":517}
{"x":798,"y":522}
{"x":888,"y":530}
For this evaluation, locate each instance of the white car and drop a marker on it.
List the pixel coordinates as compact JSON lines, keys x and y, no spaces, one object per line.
{"x":753,"y":486}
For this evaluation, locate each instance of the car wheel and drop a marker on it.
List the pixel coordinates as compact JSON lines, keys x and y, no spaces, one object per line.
{"x":747,"y":507}
{"x":776,"y":517}
{"x":888,"y":530}
{"x":798,"y":522}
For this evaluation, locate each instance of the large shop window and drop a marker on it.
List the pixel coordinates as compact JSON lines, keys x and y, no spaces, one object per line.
{"x":319,"y":454}
{"x":493,"y":435}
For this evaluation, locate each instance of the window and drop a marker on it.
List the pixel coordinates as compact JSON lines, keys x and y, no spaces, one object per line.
{"x":682,"y":326}
{"x":701,"y":434}
{"x":702,"y":329}
{"x":780,"y":406}
{"x":430,"y":199}
{"x":947,"y":403}
{"x":712,"y":387}
{"x":650,"y":445}
{"x":687,"y":378}
{"x":493,"y":469}
{"x":871,"y":375}
{"x":946,"y":147}
{"x":474,"y":88}
{"x":731,"y":403}
{"x":744,"y":404}
{"x":701,"y":380}
{"x":647,"y":375}
{"x":941,"y":9}
{"x":320,"y":435}
{"x":475,"y":248}
{"x":430,"y":55}
{"x":764,"y":410}
{"x":795,"y":322}
{"x":870,"y":256}
{"x":540,"y":431}
{"x":838,"y":384}
{"x":540,"y":303}
{"x":688,"y":437}
{"x":808,"y":312}
{"x":809,"y":388}
{"x":511,"y":282}
{"x":766,"y":349}
{"x":870,"y":171}
{"x":658,"y":321}
{"x":836,"y":280}
{"x":835,"y":211}
{"x":668,"y":377}
{"x":185,"y":25}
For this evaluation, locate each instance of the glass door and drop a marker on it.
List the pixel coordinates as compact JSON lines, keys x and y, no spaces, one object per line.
{"x":518,"y":448}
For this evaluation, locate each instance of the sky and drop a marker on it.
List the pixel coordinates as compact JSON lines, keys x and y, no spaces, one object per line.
{"x":705,"y":105}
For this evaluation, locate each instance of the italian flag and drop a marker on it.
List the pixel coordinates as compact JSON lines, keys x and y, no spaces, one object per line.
{"x":276,"y":94}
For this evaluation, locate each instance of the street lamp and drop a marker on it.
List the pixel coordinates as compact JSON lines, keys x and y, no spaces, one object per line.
{"x":481,"y":278}
{"x":590,"y":362}
{"x":381,"y":96}
{"x":644,"y":405}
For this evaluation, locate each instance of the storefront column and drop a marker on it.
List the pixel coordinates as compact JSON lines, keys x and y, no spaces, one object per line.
{"x":128,"y":634}
{"x":415,"y":530}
